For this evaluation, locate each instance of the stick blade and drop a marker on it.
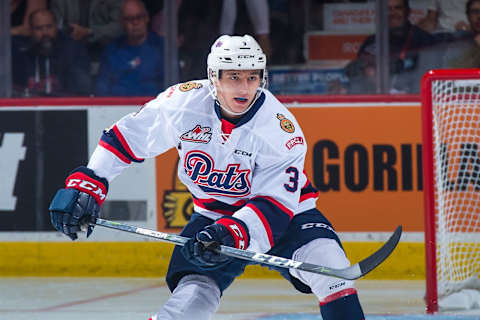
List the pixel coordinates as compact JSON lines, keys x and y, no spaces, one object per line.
{"x":371,"y":262}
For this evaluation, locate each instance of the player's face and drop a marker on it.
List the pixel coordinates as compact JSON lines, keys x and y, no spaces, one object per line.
{"x":236,"y":89}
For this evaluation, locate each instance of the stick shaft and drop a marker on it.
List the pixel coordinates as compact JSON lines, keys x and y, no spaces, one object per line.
{"x":350,"y":273}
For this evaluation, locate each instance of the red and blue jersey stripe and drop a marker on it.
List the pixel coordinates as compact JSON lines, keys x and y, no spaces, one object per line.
{"x":115,"y":142}
{"x":275,"y":217}
{"x":218,"y":206}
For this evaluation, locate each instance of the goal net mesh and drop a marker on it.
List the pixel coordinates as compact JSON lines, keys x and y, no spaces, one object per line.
{"x":456,"y":167}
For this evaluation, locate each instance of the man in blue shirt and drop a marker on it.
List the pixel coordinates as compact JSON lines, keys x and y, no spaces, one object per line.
{"x":132,"y":65}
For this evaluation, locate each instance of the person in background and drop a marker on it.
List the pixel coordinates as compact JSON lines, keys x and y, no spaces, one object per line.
{"x":96,"y":22}
{"x":258,"y":12}
{"x":465,"y":52}
{"x":405,"y":43}
{"x":287,"y":25}
{"x":156,"y":11}
{"x":199,"y":25}
{"x":445,"y":16}
{"x":20,"y":10}
{"x":132,"y":65}
{"x":48,"y":63}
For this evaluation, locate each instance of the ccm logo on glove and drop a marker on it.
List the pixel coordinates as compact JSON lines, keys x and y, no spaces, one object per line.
{"x":83,"y":183}
{"x":237,"y":230}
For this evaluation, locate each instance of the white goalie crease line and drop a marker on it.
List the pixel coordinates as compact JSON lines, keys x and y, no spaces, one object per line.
{"x":350,"y":273}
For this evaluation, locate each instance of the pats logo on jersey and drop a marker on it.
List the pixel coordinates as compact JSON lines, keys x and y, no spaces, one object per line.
{"x":231,"y":182}
{"x":285,"y":124}
{"x":198,"y":134}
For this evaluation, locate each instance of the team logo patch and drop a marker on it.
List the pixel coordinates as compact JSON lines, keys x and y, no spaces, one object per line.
{"x":285,"y":124}
{"x":187,"y":86}
{"x":198,"y":134}
{"x":293,"y":142}
{"x":134,"y":63}
{"x":231,"y":182}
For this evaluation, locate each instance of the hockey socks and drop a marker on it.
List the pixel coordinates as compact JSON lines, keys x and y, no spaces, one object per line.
{"x":343,"y":305}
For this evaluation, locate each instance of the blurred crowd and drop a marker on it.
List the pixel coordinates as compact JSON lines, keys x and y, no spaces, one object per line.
{"x":448,"y":36}
{"x":117,"y":47}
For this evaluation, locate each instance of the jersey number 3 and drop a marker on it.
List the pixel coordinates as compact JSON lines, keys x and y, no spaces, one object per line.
{"x":292,"y":186}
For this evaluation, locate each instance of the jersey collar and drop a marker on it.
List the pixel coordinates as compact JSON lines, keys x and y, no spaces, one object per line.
{"x":247,"y":116}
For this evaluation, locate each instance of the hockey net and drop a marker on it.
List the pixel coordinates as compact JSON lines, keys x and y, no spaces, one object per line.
{"x":451,"y":140}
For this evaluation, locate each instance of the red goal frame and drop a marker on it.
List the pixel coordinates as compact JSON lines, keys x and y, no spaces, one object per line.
{"x":431,"y":297}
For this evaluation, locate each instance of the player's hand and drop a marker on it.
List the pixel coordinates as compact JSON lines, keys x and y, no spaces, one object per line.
{"x":227,"y":231}
{"x":79,"y":203}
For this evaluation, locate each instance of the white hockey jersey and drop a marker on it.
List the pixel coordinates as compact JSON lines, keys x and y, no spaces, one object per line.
{"x":252,"y":169}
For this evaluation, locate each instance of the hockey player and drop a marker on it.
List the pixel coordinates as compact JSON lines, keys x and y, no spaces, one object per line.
{"x":242,"y":158}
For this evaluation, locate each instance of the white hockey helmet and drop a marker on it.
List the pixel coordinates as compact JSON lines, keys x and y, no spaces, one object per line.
{"x":236,"y":53}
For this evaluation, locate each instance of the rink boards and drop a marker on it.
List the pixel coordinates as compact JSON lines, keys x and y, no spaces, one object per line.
{"x":150,"y":259}
{"x":364,"y":157}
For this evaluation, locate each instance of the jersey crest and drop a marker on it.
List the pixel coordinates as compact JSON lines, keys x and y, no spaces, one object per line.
{"x":285,"y":124}
{"x":231,"y":182}
{"x":198,"y":134}
{"x":187,"y":86}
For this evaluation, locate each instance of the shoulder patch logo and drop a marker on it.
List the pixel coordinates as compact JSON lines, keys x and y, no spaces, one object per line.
{"x":198,"y":134}
{"x":293,"y":142}
{"x":285,"y":124}
{"x":187,"y":86}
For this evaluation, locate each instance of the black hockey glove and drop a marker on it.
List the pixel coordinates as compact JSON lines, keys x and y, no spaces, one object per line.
{"x":79,"y":203}
{"x":226,"y":231}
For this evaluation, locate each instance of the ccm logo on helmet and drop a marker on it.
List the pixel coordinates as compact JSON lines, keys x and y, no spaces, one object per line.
{"x":86,"y":185}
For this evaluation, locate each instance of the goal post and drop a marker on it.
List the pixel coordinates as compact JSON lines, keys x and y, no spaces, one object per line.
{"x":451,"y":168}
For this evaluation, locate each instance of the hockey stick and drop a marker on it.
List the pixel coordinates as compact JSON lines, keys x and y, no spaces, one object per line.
{"x":351,"y":273}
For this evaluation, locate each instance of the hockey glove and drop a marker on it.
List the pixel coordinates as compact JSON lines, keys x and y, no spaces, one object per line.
{"x":226,"y":231}
{"x":79,"y":203}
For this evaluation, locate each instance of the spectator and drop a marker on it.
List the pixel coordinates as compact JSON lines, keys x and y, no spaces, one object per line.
{"x":156,"y":12}
{"x":445,"y":16}
{"x":133,"y":64}
{"x":465,"y":53}
{"x":94,"y":21}
{"x":405,"y":42}
{"x":258,"y":11}
{"x":287,"y":25}
{"x":20,"y":10}
{"x":199,"y":24}
{"x":49,"y":63}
